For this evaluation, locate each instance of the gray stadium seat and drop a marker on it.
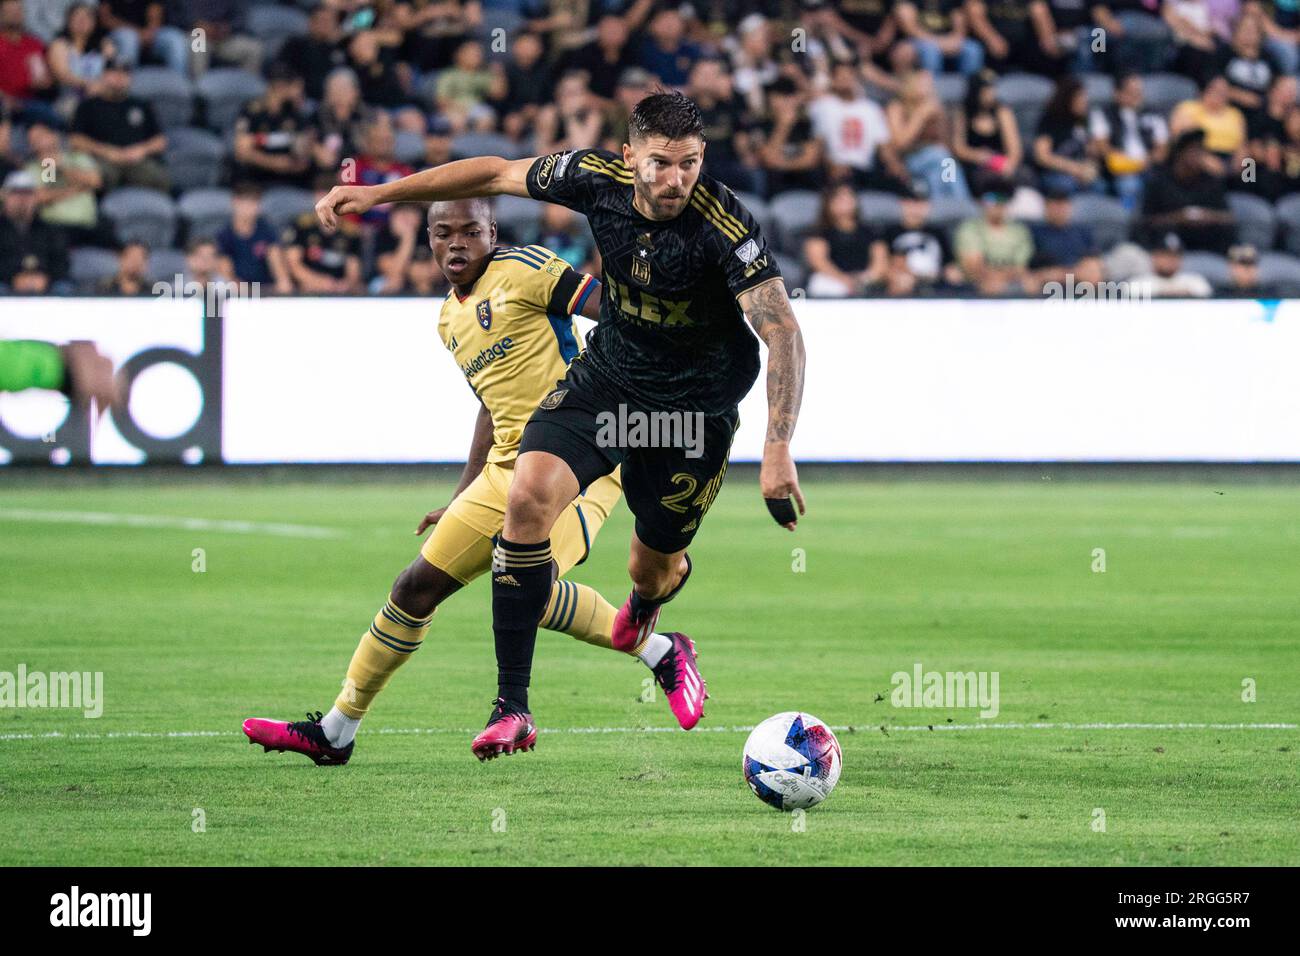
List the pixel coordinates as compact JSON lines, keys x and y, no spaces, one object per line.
{"x":273,"y":25}
{"x":427,"y":91}
{"x":950,"y":88}
{"x":1164,"y":91}
{"x":170,"y":94}
{"x":408,"y":148}
{"x":194,"y":157}
{"x":166,"y":264}
{"x":1105,"y":216}
{"x":141,"y":214}
{"x":792,"y":269}
{"x":224,"y":93}
{"x":1100,"y":87}
{"x":947,"y":212}
{"x":515,"y":214}
{"x":1018,"y":89}
{"x":205,"y":211}
{"x":483,"y":144}
{"x":793,"y":214}
{"x":1255,"y":221}
{"x":877,"y":208}
{"x":1279,"y":268}
{"x":1125,"y":261}
{"x":1026,"y":94}
{"x":281,"y":205}
{"x":1214,"y":267}
{"x":88,"y":266}
{"x":508,"y":22}
{"x":759,"y":209}
{"x":1288,"y":214}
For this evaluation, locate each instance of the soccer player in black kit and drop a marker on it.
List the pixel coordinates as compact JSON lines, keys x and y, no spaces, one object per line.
{"x":684,"y":265}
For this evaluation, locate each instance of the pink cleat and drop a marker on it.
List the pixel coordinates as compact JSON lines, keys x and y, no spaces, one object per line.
{"x":627,"y":632}
{"x":302,"y":737}
{"x":684,"y":685}
{"x":507,"y":730}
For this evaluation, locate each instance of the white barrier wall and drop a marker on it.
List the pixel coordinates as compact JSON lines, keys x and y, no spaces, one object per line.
{"x":160,"y":342}
{"x":362,"y":380}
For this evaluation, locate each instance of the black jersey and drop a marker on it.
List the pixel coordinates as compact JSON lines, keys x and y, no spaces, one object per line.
{"x":671,"y":333}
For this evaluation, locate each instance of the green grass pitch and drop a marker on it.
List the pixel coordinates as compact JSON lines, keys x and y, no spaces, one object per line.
{"x":1200,"y":593}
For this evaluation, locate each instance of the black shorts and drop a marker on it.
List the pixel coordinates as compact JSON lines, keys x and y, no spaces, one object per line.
{"x":673,"y":462}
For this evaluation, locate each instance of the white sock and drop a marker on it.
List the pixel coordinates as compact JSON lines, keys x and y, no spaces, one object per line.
{"x":339,"y":727}
{"x":655,"y":649}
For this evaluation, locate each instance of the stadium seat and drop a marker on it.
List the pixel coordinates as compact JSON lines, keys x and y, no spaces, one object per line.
{"x":793,"y":271}
{"x":1100,"y":87}
{"x":947,"y":212}
{"x":224,"y":92}
{"x":1279,"y":268}
{"x":515,"y":214}
{"x":166,"y":264}
{"x":194,"y":158}
{"x":273,"y":25}
{"x":1211,"y":265}
{"x":1287,"y":211}
{"x":877,"y":208}
{"x":88,"y":266}
{"x":759,"y":209}
{"x":427,"y":89}
{"x":1164,"y":91}
{"x":281,"y":205}
{"x":950,"y":88}
{"x":1018,"y":89}
{"x":170,"y":95}
{"x":483,"y":144}
{"x":1255,"y":220}
{"x":1026,"y":94}
{"x":1125,"y":261}
{"x":141,"y":214}
{"x":508,"y":22}
{"x":793,"y":214}
{"x":1105,"y":216}
{"x":408,"y":148}
{"x":205,"y":212}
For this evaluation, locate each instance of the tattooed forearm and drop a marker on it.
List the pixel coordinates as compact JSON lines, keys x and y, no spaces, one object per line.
{"x":770,"y":314}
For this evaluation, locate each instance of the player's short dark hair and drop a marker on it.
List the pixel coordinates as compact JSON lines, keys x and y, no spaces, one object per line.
{"x":671,"y":115}
{"x":478,"y":203}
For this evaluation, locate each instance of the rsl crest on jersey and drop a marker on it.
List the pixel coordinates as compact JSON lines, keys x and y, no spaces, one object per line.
{"x":513,"y":336}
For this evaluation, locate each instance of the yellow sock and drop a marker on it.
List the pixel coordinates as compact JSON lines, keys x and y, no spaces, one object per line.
{"x":579,"y":611}
{"x":392,"y":638}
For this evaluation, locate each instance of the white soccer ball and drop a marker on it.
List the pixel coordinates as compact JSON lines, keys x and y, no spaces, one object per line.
{"x":792,"y":761}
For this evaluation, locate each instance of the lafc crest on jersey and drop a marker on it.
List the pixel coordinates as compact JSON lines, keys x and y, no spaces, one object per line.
{"x":641,"y":258}
{"x":485,"y":314}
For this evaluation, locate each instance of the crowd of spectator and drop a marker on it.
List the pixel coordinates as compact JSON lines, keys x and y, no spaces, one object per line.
{"x":891,"y":148}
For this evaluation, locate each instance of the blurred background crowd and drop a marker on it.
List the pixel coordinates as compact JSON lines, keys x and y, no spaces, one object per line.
{"x":918,"y":147}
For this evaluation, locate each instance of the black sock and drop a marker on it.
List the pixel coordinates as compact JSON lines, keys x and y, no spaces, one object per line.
{"x":643,"y":607}
{"x":521,"y":586}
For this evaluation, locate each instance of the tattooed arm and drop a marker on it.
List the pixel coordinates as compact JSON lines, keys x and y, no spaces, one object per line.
{"x":769,"y":312}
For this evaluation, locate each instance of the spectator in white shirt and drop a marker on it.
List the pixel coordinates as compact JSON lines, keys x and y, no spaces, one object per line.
{"x":1167,"y":278}
{"x":855,"y":135}
{"x":1129,"y":139}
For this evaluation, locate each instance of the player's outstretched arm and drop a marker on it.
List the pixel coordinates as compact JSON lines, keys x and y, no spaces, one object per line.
{"x":479,"y":447}
{"x":460,"y":179}
{"x":769,"y":312}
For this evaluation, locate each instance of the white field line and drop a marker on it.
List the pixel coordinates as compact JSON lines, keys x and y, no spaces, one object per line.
{"x":864,"y":728}
{"x":117,"y":519}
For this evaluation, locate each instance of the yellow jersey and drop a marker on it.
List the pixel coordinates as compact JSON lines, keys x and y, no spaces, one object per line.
{"x":513,"y":335}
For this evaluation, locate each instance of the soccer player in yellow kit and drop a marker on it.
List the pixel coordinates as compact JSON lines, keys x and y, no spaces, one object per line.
{"x":508,"y":321}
